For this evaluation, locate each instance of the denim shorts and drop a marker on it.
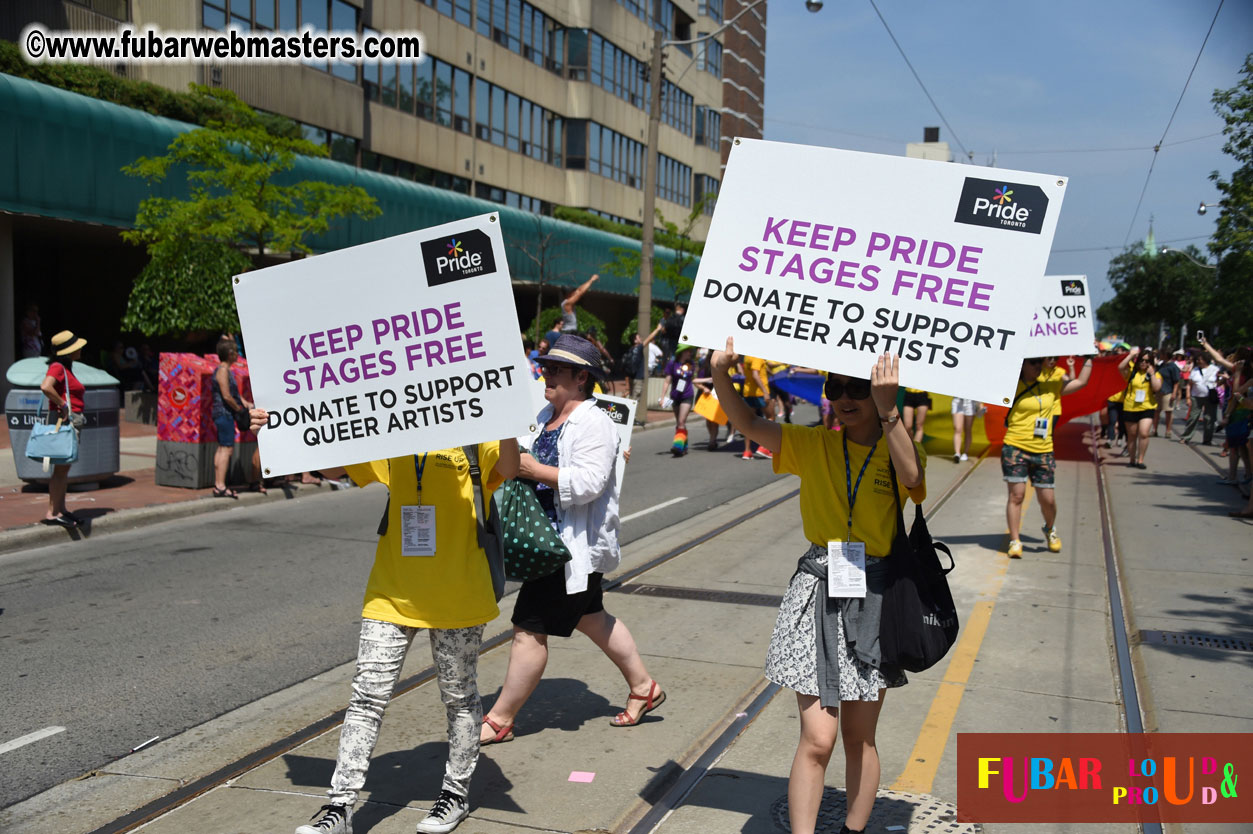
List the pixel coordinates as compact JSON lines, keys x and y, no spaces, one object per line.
{"x":1017,"y":467}
{"x":225,"y":425}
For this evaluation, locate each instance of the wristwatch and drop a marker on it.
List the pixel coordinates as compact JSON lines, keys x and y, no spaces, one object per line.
{"x":891,"y":420}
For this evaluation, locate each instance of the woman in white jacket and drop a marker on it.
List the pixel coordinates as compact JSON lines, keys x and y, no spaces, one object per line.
{"x":571,"y":462}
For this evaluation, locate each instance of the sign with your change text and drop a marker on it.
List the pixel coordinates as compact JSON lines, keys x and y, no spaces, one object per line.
{"x":827,"y":258}
{"x":398,"y":346}
{"x":1062,"y":322}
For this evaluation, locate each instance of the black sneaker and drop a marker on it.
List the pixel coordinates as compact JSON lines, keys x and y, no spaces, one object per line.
{"x":330,"y":819}
{"x":445,"y":815}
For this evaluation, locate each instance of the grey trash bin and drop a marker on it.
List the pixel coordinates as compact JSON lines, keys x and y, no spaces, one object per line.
{"x":98,"y":441}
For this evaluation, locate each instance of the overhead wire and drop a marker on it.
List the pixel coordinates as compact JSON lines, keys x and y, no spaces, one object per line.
{"x":1112,"y":247}
{"x":1158,"y":147}
{"x":918,"y":78}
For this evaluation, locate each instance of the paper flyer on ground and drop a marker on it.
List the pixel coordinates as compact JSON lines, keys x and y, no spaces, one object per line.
{"x":827,"y":258}
{"x":1062,"y":322}
{"x":398,"y":346}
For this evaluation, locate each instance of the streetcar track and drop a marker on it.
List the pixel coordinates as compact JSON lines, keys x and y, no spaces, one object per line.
{"x":683,"y":782}
{"x":1131,"y":707}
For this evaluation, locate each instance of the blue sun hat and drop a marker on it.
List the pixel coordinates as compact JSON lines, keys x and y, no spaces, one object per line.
{"x":577,"y":352}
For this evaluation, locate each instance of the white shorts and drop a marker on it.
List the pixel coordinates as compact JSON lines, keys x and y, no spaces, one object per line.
{"x":962,"y":405}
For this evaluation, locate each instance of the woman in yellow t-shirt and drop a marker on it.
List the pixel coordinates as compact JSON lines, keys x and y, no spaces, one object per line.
{"x":1139,"y":401}
{"x":823,"y":647}
{"x":1027,"y":451}
{"x":429,"y":573}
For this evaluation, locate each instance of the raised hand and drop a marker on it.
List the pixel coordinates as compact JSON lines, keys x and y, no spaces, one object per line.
{"x":257,"y":419}
{"x":884,"y":380}
{"x":722,"y":360}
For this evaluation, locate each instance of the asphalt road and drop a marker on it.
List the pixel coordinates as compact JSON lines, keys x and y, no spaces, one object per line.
{"x":150,"y":632}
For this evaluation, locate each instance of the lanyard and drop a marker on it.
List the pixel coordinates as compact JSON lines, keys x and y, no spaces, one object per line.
{"x":848,"y":480}
{"x":419,"y":467}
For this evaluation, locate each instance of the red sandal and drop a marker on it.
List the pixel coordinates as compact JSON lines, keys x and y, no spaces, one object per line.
{"x":655,"y":698}
{"x":502,"y":733}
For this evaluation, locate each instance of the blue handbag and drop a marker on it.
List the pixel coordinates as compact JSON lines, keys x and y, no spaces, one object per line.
{"x":55,"y":444}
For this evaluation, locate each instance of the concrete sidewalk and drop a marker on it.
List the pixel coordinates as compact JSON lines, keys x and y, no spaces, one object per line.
{"x":1033,"y":655}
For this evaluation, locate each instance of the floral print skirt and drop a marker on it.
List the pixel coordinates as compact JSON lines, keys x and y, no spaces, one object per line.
{"x":792,"y":659}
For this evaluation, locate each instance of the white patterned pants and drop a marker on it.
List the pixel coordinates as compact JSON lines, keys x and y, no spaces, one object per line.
{"x":379,"y":660}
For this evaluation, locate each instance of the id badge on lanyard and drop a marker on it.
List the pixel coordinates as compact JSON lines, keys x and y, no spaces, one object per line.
{"x":846,"y":560}
{"x":1141,"y":395}
{"x":1042,"y":427}
{"x":417,"y":523}
{"x":846,"y":570}
{"x":417,"y":531}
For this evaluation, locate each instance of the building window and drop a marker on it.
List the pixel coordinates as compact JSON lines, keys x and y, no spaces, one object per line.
{"x":710,"y":8}
{"x":592,"y":58}
{"x":520,"y":28}
{"x":674,"y":180}
{"x":708,"y":127}
{"x":676,"y":108}
{"x":116,"y":9}
{"x":458,"y":10}
{"x":709,"y":57}
{"x":511,"y":198}
{"x":213,"y":15}
{"x":606,"y":152}
{"x":510,"y":121}
{"x":706,"y":185}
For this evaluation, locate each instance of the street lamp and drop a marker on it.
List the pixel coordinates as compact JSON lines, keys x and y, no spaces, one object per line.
{"x":644,"y":322}
{"x":1204,"y":205}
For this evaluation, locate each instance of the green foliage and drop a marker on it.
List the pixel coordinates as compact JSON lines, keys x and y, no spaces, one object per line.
{"x":633,"y":326}
{"x":1234,"y":232}
{"x":140,"y":95}
{"x":667,"y":269}
{"x":550,"y":319}
{"x":1232,"y":243}
{"x":232,"y":166}
{"x":661,"y":236}
{"x":1150,"y":289}
{"x":181,"y":289}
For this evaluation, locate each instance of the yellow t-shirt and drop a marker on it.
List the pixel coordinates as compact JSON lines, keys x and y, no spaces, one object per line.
{"x":817,"y":456}
{"x":1140,"y":382}
{"x":1032,"y":402}
{"x":1056,"y":374}
{"x":916,"y":390}
{"x":753,"y":365}
{"x":453,"y":588}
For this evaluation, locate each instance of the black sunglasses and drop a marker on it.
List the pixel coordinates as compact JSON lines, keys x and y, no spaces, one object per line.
{"x":856,"y":389}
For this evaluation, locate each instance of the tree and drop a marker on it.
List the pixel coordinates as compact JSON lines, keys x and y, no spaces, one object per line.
{"x":1153,"y":290}
{"x":686,"y":250}
{"x":544,"y":251}
{"x":1232,"y":243}
{"x":236,"y":211}
{"x":549,"y":318}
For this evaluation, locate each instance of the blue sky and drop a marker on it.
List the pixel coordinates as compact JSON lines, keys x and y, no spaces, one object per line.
{"x":1014,"y":77}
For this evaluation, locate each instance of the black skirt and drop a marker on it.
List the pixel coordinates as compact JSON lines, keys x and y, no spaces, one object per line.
{"x":544,"y":607}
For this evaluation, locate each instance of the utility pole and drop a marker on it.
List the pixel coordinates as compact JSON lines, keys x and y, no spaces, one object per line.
{"x":644,"y":324}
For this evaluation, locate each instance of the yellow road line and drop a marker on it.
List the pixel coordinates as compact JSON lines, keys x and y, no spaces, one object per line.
{"x":924,"y":759}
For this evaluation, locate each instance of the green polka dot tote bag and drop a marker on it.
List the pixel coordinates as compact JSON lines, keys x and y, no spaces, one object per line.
{"x":532,"y":547}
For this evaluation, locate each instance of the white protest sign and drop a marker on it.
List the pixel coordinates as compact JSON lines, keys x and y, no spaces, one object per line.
{"x":622,"y":412}
{"x":827,"y":258}
{"x":1062,"y":322}
{"x":402,"y":345}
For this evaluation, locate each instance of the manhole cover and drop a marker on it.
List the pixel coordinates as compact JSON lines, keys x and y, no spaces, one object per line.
{"x":914,"y":814}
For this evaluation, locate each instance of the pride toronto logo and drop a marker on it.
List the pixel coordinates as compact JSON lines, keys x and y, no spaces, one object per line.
{"x":1002,"y":205}
{"x":455,"y":257}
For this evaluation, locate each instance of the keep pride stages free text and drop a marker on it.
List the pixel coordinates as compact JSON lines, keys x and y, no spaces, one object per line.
{"x":803,"y":316}
{"x":426,"y":338}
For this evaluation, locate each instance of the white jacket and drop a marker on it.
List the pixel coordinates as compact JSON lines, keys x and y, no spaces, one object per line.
{"x":587,"y":490}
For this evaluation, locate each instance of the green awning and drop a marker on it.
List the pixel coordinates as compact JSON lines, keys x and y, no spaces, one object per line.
{"x":61,"y":156}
